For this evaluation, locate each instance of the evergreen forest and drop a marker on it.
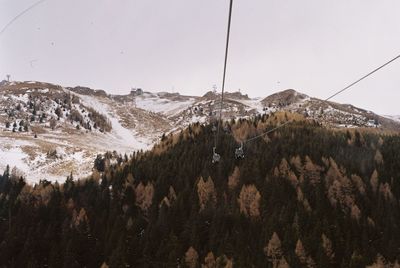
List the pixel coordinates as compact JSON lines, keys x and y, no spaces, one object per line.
{"x":304,"y":195}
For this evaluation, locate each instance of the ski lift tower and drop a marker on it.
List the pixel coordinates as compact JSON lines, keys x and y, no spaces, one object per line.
{"x":214,"y":89}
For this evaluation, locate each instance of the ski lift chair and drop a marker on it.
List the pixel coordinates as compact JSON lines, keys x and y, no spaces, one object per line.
{"x":216,"y":157}
{"x":239,"y":153}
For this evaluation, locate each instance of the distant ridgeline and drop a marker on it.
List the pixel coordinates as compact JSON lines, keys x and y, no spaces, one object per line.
{"x":303,"y":196}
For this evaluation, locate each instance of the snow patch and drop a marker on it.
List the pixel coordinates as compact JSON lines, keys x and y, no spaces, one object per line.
{"x":119,"y":135}
{"x":161,"y":105}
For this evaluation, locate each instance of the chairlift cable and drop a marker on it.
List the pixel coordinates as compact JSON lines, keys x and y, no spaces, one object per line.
{"x":224,"y":74}
{"x":5,"y":27}
{"x":330,"y":97}
{"x":362,"y":78}
{"x":267,"y":132}
{"x":216,"y":157}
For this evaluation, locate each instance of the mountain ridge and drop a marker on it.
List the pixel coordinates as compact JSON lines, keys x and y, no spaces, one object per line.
{"x":39,"y":120}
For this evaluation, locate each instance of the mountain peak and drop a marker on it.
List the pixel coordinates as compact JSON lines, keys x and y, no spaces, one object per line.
{"x":88,"y":91}
{"x":237,"y":95}
{"x":284,"y":98}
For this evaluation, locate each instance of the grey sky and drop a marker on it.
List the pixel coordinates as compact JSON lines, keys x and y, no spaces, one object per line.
{"x":314,"y":46}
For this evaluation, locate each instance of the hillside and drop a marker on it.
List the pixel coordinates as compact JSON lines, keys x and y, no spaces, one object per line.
{"x":327,"y":112}
{"x":48,"y":131}
{"x":304,"y":196}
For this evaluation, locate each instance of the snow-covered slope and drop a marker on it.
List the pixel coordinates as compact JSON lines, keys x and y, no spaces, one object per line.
{"x":123,"y":138}
{"x":163,"y":103}
{"x":45,"y":141}
{"x":393,"y":117}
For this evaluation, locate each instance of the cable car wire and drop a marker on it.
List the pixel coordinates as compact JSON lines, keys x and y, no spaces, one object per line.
{"x":224,"y":74}
{"x":216,"y":157}
{"x":330,"y":97}
{"x":362,"y":78}
{"x":20,"y":15}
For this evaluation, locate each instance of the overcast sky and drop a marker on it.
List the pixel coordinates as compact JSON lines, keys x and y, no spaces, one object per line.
{"x":314,"y":46}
